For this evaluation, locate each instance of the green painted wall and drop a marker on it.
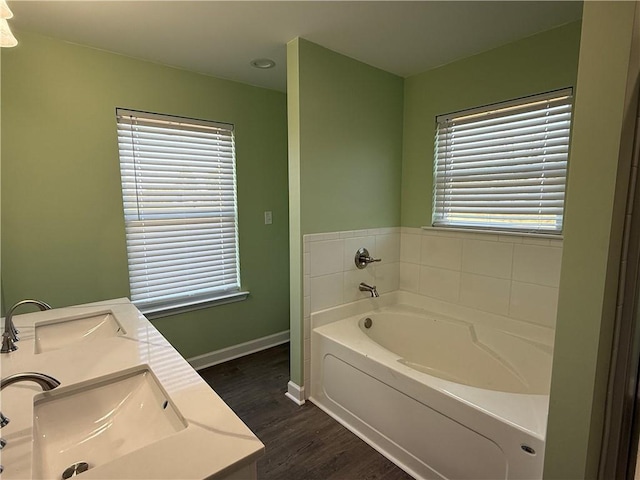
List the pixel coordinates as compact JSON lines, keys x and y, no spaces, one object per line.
{"x":592,"y":243}
{"x":345,"y":155}
{"x":350,"y":142}
{"x":536,"y":64}
{"x":62,"y":223}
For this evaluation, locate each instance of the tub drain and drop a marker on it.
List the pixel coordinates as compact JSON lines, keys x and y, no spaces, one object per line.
{"x":75,"y":469}
{"x":368,"y":322}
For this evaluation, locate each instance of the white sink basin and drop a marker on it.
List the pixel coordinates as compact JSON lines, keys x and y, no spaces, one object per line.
{"x":100,"y":422}
{"x":64,"y":333}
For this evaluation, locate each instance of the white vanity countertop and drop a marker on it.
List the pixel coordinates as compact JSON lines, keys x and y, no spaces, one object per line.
{"x":214,"y":444}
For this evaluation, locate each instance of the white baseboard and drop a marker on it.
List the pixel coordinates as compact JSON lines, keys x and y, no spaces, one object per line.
{"x":295,"y":393}
{"x":237,"y":351}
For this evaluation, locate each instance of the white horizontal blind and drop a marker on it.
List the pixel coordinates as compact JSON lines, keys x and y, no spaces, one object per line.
{"x":504,"y":167}
{"x":179,"y":194}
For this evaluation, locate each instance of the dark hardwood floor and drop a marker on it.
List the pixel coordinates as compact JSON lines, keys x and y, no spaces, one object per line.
{"x":302,"y":443}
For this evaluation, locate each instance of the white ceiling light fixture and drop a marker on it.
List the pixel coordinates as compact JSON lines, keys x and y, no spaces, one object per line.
{"x":5,"y":11}
{"x":6,"y":37}
{"x":263,"y":63}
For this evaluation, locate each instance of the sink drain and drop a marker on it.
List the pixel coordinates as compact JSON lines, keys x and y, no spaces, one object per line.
{"x":75,"y":469}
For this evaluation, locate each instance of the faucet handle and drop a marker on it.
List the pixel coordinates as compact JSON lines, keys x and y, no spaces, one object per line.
{"x":4,"y":421}
{"x":363,"y":258}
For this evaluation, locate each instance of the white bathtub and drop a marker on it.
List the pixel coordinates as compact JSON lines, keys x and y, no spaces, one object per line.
{"x":441,"y":397}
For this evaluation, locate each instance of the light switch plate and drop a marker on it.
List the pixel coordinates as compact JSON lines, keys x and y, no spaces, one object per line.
{"x":268,"y":218}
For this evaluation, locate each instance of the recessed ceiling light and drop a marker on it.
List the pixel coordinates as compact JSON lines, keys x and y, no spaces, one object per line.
{"x":263,"y":63}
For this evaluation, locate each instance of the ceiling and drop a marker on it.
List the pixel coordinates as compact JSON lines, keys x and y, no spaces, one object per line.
{"x":220,"y":38}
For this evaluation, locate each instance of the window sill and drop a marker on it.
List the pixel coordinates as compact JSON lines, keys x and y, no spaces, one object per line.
{"x":548,"y":236}
{"x":153,"y":312}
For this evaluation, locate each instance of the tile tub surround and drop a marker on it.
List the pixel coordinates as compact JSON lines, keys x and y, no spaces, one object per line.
{"x":511,"y":275}
{"x":331,"y":277}
{"x":209,"y":421}
{"x":515,"y":276}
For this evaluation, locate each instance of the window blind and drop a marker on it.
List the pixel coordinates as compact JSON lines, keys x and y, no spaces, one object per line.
{"x":179,"y":196}
{"x":505,"y":166}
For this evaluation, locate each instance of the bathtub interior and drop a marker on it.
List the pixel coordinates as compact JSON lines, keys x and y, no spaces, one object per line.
{"x":460,"y":351}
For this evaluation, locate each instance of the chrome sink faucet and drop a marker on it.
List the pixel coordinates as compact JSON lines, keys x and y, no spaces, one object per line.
{"x":46,"y":382}
{"x":10,"y":335}
{"x":368,"y":288}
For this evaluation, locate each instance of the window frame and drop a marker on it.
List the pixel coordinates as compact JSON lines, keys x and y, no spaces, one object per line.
{"x":449,"y":191}
{"x":191,"y":202}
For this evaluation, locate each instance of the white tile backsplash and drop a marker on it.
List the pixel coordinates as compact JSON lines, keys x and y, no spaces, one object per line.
{"x":510,"y":275}
{"x":306,"y":306}
{"x":330,"y":274}
{"x":493,"y":259}
{"x":305,"y":286}
{"x":486,"y":236}
{"x":537,"y":264}
{"x":509,"y":239}
{"x":536,"y":241}
{"x":410,"y":248}
{"x":307,"y":375}
{"x":409,"y":277}
{"x":307,"y":327}
{"x":326,"y":257}
{"x":479,"y":270}
{"x":470,"y":268}
{"x":332,"y":254}
{"x":332,"y":236}
{"x":534,"y":303}
{"x":305,"y":263}
{"x":555,"y":242}
{"x":387,"y":277}
{"x":388,"y":248}
{"x":441,"y":252}
{"x":439,"y":283}
{"x":326,"y":291}
{"x":488,"y":294}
